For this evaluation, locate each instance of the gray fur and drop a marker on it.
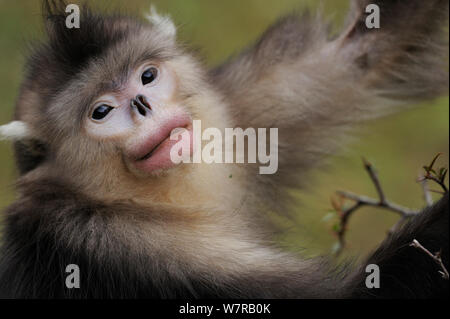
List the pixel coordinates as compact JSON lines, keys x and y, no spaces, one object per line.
{"x":314,"y":88}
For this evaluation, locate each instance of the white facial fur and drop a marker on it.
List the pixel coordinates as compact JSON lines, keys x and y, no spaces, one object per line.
{"x":130,"y":131}
{"x":122,"y":121}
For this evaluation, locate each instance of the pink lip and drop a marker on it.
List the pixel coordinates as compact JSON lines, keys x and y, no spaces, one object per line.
{"x":154,"y":154}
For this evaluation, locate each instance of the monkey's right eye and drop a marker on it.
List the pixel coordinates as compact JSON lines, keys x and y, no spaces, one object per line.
{"x":101,"y":112}
{"x":149,"y":75}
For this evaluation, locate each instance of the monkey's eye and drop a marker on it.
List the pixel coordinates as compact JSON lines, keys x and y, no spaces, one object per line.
{"x":101,"y":112}
{"x":149,"y":75}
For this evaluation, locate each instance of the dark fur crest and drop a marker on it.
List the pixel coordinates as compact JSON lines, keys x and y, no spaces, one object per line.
{"x":68,"y":51}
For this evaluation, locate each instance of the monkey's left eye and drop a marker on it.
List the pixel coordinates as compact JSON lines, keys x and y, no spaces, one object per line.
{"x":149,"y":75}
{"x":101,"y":112}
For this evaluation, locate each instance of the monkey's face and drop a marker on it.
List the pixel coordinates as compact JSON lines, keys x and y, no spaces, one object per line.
{"x":138,"y":117}
{"x":105,"y":111}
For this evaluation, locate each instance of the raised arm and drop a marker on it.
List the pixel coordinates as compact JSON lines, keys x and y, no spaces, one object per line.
{"x":312,"y":86}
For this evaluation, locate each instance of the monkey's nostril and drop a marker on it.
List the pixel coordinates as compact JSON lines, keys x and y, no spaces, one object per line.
{"x":141,"y":104}
{"x":137,"y":106}
{"x":143,"y":101}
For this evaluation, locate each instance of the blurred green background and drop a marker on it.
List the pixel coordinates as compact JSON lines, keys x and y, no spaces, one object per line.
{"x":398,"y":146}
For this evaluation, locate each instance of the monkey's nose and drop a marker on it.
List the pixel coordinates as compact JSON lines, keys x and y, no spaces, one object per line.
{"x":140,"y":104}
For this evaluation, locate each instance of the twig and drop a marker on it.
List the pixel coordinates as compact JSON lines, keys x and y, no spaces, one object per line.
{"x":437,"y":176}
{"x":436,"y":180}
{"x":426,"y":192}
{"x":360,"y":201}
{"x":436,"y":258}
{"x":373,"y":175}
{"x":345,"y":215}
{"x":367,"y":201}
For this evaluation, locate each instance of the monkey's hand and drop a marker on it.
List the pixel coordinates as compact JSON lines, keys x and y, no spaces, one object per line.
{"x":294,"y":64}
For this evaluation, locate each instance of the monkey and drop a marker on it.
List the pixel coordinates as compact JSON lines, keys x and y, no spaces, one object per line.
{"x":97,"y":187}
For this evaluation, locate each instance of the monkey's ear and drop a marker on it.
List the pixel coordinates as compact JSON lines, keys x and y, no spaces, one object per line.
{"x":163,"y":23}
{"x":15,"y":131}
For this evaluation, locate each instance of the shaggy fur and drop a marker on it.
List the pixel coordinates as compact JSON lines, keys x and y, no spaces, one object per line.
{"x":53,"y":226}
{"x":192,"y":231}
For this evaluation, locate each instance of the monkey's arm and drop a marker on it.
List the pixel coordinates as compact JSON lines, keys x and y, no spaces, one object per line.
{"x":312,"y":87}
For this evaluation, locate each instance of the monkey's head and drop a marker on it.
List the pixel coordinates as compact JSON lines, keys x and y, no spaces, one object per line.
{"x":102,"y":100}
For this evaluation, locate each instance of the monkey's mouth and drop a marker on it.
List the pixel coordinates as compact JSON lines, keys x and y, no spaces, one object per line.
{"x":157,"y":150}
{"x":149,"y":154}
{"x":160,"y":144}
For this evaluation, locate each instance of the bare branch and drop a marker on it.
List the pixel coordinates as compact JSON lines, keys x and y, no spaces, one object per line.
{"x":367,"y":201}
{"x":345,"y":215}
{"x":360,"y":201}
{"x":374,"y":176}
{"x":438,"y":175}
{"x":431,"y":173}
{"x":426,"y":191}
{"x":382,"y":202}
{"x":436,"y":180}
{"x":436,"y":258}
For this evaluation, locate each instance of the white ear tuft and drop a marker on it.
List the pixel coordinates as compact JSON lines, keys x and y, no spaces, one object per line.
{"x":16,"y":130}
{"x":163,"y":23}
